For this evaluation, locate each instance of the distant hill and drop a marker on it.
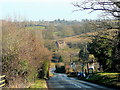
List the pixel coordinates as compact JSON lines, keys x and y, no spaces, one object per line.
{"x":86,"y":37}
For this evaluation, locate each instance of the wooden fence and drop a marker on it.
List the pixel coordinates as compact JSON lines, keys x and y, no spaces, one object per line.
{"x":2,"y":81}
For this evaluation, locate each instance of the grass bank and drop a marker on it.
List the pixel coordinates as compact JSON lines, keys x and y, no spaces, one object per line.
{"x":107,"y":79}
{"x":39,"y":84}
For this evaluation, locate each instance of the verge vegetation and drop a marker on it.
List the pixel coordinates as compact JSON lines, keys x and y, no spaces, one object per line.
{"x":108,"y":79}
{"x":23,"y":54}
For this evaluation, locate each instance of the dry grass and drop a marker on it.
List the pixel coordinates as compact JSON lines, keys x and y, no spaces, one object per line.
{"x":87,"y":37}
{"x":52,"y":65}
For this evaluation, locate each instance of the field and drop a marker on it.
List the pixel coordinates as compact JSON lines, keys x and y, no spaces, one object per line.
{"x":35,"y":27}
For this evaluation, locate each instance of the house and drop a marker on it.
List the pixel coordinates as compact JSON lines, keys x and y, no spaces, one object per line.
{"x":61,"y":44}
{"x":93,"y":66}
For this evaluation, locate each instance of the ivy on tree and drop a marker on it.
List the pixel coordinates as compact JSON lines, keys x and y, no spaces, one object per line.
{"x":60,"y":59}
{"x":103,"y":47}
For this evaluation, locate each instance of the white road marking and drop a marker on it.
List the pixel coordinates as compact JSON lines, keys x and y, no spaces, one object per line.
{"x":72,"y":78}
{"x":76,"y":85}
{"x":59,"y":87}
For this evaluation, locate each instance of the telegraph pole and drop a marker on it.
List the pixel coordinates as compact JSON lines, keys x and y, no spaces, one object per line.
{"x":85,"y":56}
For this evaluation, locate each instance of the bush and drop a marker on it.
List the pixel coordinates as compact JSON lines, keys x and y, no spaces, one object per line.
{"x":60,"y":68}
{"x":45,"y":70}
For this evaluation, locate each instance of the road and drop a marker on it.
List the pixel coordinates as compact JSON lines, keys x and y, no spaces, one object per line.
{"x":61,"y":81}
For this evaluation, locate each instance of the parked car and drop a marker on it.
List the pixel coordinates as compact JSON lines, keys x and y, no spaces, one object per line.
{"x":81,"y":74}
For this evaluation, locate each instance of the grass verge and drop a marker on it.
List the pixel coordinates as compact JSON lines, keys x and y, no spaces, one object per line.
{"x":108,"y":79}
{"x":39,"y":84}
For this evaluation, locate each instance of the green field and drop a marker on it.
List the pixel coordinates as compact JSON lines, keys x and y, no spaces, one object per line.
{"x":35,"y":27}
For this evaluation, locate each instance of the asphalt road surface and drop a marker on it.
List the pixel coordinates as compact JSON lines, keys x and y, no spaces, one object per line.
{"x":61,"y":81}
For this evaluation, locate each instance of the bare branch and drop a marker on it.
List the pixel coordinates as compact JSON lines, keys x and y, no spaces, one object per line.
{"x":112,"y":7}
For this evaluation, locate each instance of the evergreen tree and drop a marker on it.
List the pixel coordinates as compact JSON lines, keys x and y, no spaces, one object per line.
{"x":60,"y":59}
{"x":103,"y":48}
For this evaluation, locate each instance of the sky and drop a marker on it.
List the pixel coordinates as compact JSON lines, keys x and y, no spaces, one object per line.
{"x":47,"y":10}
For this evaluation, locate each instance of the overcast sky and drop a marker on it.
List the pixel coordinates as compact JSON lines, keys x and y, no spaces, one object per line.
{"x":43,"y":10}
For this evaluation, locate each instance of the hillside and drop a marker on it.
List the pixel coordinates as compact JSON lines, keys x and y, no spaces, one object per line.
{"x":86,"y":37}
{"x":82,"y":38}
{"x":75,"y":43}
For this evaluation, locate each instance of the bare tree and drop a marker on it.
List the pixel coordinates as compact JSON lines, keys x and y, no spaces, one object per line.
{"x":109,"y":6}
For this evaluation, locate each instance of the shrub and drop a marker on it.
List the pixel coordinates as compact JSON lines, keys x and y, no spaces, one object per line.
{"x":45,"y":70}
{"x":60,"y":68}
